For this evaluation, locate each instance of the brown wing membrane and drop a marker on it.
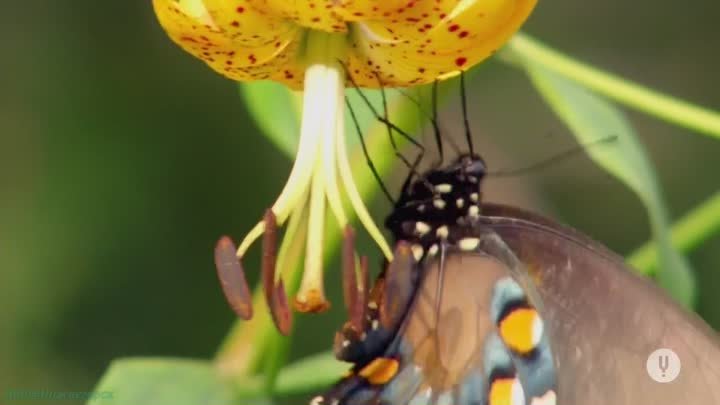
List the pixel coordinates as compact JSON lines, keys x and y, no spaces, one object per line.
{"x":604,"y":321}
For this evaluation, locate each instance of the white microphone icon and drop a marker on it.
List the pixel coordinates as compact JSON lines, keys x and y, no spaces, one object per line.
{"x":663,"y":365}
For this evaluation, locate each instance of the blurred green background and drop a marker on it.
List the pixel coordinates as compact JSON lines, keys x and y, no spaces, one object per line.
{"x":122,"y":159}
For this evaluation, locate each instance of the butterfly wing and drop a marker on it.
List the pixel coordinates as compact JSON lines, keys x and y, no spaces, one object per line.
{"x":604,"y":321}
{"x":449,"y":348}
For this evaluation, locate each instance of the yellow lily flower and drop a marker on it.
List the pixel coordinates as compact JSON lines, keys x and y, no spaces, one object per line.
{"x":311,"y":45}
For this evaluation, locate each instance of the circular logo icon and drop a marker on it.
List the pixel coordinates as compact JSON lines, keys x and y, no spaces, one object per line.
{"x":663,"y":365}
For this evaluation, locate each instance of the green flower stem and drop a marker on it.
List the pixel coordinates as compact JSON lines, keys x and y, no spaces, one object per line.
{"x":667,"y":108}
{"x":687,"y":233}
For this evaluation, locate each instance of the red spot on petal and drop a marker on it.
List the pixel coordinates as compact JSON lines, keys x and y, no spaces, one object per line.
{"x":453,"y":28}
{"x":235,"y":24}
{"x":460,"y":61}
{"x":463,"y":34}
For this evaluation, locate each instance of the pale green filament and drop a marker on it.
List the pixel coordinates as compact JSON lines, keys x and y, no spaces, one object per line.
{"x":355,"y":199}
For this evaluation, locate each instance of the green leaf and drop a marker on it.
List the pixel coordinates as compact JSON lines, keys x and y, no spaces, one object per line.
{"x":688,"y":233}
{"x":162,"y":381}
{"x":592,"y":118}
{"x":276,"y":111}
{"x":310,"y":373}
{"x":671,"y":109}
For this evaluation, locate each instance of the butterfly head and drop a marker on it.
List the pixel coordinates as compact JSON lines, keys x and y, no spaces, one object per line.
{"x":438,"y":199}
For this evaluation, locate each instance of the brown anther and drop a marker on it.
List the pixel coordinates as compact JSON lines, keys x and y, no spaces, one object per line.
{"x":398,"y":286}
{"x":313,"y":302}
{"x":232,"y":278}
{"x":280,"y":309}
{"x":274,"y":289}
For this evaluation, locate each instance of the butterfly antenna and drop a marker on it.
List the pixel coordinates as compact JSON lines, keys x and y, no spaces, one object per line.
{"x":411,"y":166}
{"x":570,"y":152}
{"x":437,"y":130}
{"x":390,"y":127}
{"x":369,"y":161}
{"x":377,"y":115}
{"x":438,"y":139}
{"x":468,"y":135}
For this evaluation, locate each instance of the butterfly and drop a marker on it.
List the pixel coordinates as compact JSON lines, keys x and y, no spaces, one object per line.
{"x":486,"y":304}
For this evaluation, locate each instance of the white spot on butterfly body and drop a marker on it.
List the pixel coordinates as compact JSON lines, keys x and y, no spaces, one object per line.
{"x":433,"y":250}
{"x":317,"y":400}
{"x":460,"y":202}
{"x":443,"y":188}
{"x":442,"y":232}
{"x":417,"y":252}
{"x":345,"y":343}
{"x":421,"y":228}
{"x":421,"y":208}
{"x":474,"y":211}
{"x":439,"y":203}
{"x":375,"y":324}
{"x":469,"y":244}
{"x":474,"y":197}
{"x":372,"y":305}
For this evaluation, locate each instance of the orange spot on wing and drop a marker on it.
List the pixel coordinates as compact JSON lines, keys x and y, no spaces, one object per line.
{"x":380,"y":370}
{"x":516,"y":330}
{"x":501,"y":392}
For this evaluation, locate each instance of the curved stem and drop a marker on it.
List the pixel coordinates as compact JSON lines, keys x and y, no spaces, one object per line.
{"x":665,"y":107}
